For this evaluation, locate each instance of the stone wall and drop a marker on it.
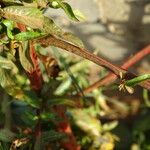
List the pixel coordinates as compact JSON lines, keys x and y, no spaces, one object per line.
{"x":129,"y":18}
{"x":124,"y":39}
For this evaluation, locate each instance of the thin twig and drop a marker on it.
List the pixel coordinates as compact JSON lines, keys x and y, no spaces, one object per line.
{"x":64,"y":126}
{"x":110,"y":78}
{"x":53,"y":41}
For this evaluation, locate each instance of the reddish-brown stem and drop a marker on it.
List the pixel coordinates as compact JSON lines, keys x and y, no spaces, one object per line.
{"x":110,"y":78}
{"x":53,"y":41}
{"x":21,"y":27}
{"x":64,"y":126}
{"x":35,"y":77}
{"x":138,"y":56}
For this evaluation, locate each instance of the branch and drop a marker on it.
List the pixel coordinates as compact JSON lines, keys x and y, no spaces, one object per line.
{"x":110,"y":78}
{"x":35,"y":76}
{"x":64,"y":127}
{"x":53,"y":41}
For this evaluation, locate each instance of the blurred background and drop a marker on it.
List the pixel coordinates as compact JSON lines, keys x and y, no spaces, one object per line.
{"x":115,"y":29}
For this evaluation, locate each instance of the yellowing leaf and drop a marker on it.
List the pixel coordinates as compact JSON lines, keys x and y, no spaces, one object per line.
{"x":12,"y":88}
{"x":8,"y":64}
{"x":87,"y":123}
{"x":24,"y":57}
{"x":28,"y":16}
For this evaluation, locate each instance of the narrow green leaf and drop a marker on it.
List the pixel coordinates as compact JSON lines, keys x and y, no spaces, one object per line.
{"x":24,"y":36}
{"x":67,"y":9}
{"x":10,"y":25}
{"x":10,"y":35}
{"x":63,"y":87}
{"x":109,"y":126}
{"x":137,"y":80}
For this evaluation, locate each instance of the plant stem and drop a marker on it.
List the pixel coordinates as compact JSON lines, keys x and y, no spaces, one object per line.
{"x":53,"y":41}
{"x":110,"y":78}
{"x":64,"y":126}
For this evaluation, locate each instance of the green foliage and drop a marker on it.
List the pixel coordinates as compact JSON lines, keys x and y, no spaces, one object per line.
{"x":24,"y":56}
{"x":9,"y":25}
{"x":66,"y":7}
{"x":6,"y":135}
{"x":24,"y":36}
{"x":28,"y":16}
{"x":137,"y":80}
{"x":39,"y":84}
